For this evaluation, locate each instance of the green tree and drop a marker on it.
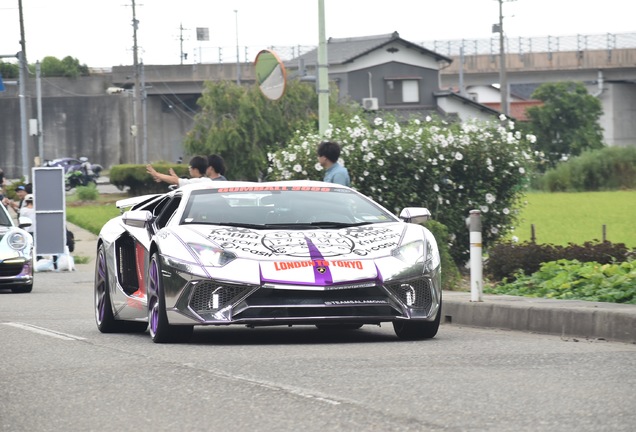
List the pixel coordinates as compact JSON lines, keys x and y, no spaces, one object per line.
{"x":9,"y":70}
{"x":67,"y":67}
{"x":243,"y":126}
{"x":568,"y":121}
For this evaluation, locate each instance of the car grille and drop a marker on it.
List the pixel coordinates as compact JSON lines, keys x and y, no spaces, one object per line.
{"x":368,"y":303}
{"x":209,"y":296}
{"x":11,"y":269}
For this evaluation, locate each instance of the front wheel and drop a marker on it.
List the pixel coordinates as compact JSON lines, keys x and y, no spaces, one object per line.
{"x":418,"y":330}
{"x":160,"y":330}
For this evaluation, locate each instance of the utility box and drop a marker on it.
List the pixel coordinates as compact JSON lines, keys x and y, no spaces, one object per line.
{"x":49,"y":201}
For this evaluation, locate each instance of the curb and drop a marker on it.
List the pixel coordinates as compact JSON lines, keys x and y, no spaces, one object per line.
{"x":566,"y":318}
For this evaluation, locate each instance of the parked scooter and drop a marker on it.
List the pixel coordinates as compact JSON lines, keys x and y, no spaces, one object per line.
{"x":86,"y":174}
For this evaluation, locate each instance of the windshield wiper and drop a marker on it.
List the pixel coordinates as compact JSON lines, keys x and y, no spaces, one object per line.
{"x":328,"y":224}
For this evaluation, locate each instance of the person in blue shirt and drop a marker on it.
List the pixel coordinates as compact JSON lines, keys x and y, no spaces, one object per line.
{"x":328,"y":155}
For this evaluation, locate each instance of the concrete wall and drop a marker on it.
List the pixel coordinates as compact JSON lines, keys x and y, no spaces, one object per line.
{"x":80,"y":119}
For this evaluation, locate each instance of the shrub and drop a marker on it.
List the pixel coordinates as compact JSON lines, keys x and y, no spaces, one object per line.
{"x":610,"y":168}
{"x":449,"y":168}
{"x":87,"y":193}
{"x":507,"y":260}
{"x":572,"y":279}
{"x":450,"y":274}
{"x":139,"y":181}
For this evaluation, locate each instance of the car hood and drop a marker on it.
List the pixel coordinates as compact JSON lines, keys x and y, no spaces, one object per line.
{"x":316,"y":256}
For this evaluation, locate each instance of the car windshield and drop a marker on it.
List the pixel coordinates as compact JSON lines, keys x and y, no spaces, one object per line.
{"x":283,"y":206}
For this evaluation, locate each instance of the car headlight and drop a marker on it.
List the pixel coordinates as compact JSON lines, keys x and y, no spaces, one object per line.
{"x":18,"y":240}
{"x":420,"y":252}
{"x":211,"y":256}
{"x":433,"y":259}
{"x":410,"y":253}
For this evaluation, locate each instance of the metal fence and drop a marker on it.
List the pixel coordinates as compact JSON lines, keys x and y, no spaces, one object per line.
{"x":519,"y":45}
{"x":247,"y":54}
{"x":544,"y":44}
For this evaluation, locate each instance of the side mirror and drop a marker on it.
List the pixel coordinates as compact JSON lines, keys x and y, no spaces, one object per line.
{"x":24,"y":222}
{"x":137,"y":218}
{"x":416,"y":215}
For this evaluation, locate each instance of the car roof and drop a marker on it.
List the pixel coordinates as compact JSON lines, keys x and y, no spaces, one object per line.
{"x":234,"y":184}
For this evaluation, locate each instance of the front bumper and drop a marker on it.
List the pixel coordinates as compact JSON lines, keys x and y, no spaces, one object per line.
{"x":208,"y":302}
{"x":16,"y":272}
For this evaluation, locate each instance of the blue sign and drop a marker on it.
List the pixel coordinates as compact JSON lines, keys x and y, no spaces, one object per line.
{"x":1,"y":84}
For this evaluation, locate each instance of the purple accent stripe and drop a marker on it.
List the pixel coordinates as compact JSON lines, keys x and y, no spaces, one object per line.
{"x":321,"y":278}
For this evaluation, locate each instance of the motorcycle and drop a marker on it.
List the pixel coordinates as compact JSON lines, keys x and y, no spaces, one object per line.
{"x":84,"y":175}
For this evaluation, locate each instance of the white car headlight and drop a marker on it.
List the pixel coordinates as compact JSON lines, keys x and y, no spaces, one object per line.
{"x":18,"y":240}
{"x":433,"y":259}
{"x":211,"y":256}
{"x":410,"y":253}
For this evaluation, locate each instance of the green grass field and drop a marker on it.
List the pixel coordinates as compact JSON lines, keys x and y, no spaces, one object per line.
{"x":562,"y":218}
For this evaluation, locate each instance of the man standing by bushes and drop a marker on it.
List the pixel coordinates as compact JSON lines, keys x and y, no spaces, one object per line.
{"x":328,"y":155}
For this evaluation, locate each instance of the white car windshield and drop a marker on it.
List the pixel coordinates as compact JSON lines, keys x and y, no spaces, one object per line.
{"x":281,"y":205}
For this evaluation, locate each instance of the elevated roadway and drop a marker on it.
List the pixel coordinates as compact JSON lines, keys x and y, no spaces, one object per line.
{"x":540,"y":67}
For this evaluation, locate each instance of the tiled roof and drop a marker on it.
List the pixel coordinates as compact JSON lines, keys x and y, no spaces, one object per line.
{"x":344,"y":50}
{"x":517,"y":108}
{"x":468,"y":101}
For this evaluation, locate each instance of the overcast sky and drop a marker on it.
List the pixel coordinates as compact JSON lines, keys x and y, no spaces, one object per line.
{"x":99,"y":33}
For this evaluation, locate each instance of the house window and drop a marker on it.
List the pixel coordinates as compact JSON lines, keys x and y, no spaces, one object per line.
{"x":402,"y":91}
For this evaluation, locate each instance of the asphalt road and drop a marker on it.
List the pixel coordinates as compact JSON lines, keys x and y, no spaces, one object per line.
{"x":59,"y":373}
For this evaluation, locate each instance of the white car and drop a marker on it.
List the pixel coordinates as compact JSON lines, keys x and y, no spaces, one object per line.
{"x":16,"y":254}
{"x":263,"y":254}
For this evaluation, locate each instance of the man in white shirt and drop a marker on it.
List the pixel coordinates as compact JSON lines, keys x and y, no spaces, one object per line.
{"x":198,"y":167}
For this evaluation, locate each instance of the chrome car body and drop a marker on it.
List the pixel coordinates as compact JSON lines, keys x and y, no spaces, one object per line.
{"x":260,"y":254}
{"x":16,"y":254}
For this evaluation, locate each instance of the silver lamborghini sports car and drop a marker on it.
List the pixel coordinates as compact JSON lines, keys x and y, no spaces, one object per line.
{"x":263,"y":254}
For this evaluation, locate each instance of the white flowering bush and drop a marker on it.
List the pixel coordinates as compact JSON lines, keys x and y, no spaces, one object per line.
{"x":450,"y":168}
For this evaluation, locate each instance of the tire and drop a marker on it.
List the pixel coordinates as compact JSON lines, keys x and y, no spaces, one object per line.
{"x":104,"y":318}
{"x":343,"y":327}
{"x":160,"y":330}
{"x":22,"y":289}
{"x":418,"y":330}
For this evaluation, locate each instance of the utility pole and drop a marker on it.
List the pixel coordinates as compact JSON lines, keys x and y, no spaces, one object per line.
{"x":503,"y":81}
{"x":183,"y":56}
{"x":238,"y":62}
{"x":137,"y":102}
{"x":323,"y":72}
{"x":38,"y":80}
{"x":24,"y":73}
